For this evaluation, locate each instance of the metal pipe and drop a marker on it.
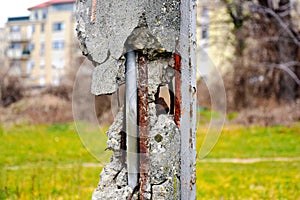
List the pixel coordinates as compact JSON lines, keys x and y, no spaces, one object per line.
{"x":131,"y":119}
{"x":143,"y":117}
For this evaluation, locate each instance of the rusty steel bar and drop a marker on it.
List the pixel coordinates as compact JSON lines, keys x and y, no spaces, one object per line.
{"x":131,"y":120}
{"x":177,"y":68}
{"x":93,"y":13}
{"x":143,"y":117}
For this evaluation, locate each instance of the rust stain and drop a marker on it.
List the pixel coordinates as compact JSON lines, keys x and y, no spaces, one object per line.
{"x":143,"y":117}
{"x":177,"y":68}
{"x":123,"y":146}
{"x":94,"y":8}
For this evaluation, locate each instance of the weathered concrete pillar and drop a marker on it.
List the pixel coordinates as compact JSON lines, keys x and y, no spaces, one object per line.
{"x":155,"y":160}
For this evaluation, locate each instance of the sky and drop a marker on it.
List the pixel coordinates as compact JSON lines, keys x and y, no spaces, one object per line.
{"x":15,"y":8}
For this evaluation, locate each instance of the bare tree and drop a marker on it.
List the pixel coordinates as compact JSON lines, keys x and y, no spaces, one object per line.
{"x":266,"y":63}
{"x":11,"y":89}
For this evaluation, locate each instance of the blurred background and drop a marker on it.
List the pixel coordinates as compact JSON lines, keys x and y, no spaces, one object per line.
{"x":253,"y":45}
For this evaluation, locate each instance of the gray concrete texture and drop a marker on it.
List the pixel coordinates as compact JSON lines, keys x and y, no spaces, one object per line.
{"x":152,"y":27}
{"x":164,"y":157}
{"x":164,"y":149}
{"x":119,"y":26}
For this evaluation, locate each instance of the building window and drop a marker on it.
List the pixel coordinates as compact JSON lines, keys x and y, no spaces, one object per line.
{"x":30,"y":46}
{"x":42,"y":28}
{"x":30,"y":66}
{"x":205,"y":11}
{"x":58,"y":26}
{"x":36,"y":15}
{"x":32,"y":28}
{"x":16,"y":46}
{"x":15,"y":29}
{"x":63,"y":7}
{"x":42,"y":80}
{"x":204,"y":32}
{"x":45,"y":13}
{"x":59,"y":44}
{"x":42,"y":50}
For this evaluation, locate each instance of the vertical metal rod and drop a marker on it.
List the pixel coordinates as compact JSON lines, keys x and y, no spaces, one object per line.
{"x":94,"y":8}
{"x":143,"y":117}
{"x":131,"y":119}
{"x":177,"y":68}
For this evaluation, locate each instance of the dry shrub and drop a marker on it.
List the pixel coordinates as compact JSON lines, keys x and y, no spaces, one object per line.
{"x":11,"y":91}
{"x":103,"y":109}
{"x":270,"y":114}
{"x":61,"y":91}
{"x":40,"y":109}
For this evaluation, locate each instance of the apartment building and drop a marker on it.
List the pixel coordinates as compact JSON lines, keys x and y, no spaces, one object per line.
{"x":18,"y":35}
{"x":2,"y":42}
{"x":2,"y":47}
{"x":43,"y":46}
{"x":213,"y":34}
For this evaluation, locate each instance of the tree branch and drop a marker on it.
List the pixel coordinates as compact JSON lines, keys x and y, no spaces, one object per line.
{"x":284,"y":67}
{"x":264,"y":10}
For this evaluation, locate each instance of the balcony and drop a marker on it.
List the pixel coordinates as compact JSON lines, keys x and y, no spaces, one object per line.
{"x":18,"y":54}
{"x":19,"y":37}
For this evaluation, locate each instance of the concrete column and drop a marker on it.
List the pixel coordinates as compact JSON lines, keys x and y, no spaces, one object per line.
{"x":187,"y":50}
{"x":162,"y":33}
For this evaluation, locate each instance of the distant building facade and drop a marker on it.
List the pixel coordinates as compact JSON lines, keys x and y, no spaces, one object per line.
{"x":2,"y":43}
{"x":18,"y":49}
{"x":2,"y":46}
{"x":213,"y":38}
{"x":42,"y":47}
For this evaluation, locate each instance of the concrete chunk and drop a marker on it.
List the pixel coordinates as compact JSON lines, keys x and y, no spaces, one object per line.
{"x":121,"y":26}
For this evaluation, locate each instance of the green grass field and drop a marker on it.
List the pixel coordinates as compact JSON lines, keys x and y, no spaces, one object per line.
{"x":50,"y":162}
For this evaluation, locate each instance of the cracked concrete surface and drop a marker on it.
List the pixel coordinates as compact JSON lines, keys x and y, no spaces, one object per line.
{"x":164,"y":149}
{"x":164,"y":159}
{"x":152,"y":27}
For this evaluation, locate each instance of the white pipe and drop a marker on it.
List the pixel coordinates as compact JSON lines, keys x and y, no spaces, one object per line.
{"x":131,"y":119}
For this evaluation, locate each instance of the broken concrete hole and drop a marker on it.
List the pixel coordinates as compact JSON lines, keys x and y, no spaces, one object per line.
{"x":164,"y":142}
{"x":135,"y":42}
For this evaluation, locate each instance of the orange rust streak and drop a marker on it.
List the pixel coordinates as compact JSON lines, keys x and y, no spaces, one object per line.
{"x":94,"y":7}
{"x":143,"y":123}
{"x":177,"y":68}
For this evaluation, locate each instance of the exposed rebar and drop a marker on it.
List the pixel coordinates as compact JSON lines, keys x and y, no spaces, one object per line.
{"x":177,"y":67}
{"x":94,"y":8}
{"x":143,"y":117}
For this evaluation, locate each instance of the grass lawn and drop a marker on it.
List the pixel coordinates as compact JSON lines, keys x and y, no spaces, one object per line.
{"x":50,"y":162}
{"x":265,"y":180}
{"x":245,"y":142}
